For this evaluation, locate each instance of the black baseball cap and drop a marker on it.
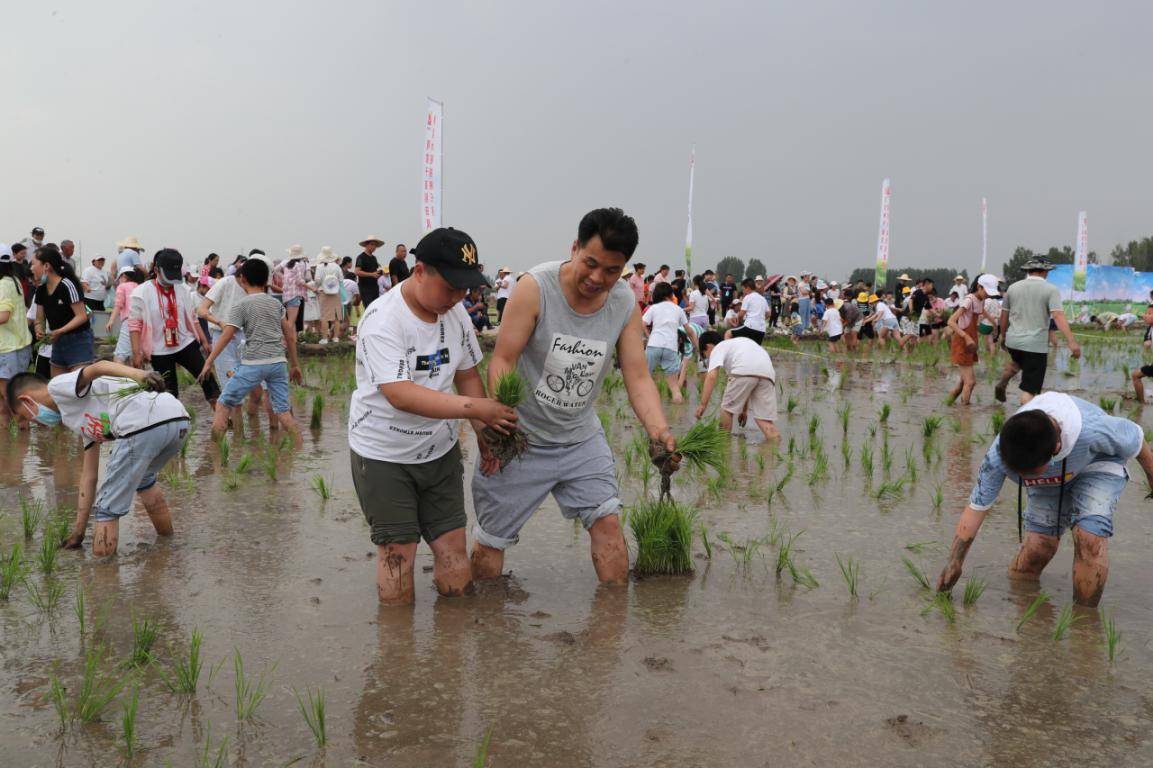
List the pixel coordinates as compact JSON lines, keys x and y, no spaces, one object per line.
{"x":169,"y":262}
{"x":452,"y":253}
{"x":37,"y":230}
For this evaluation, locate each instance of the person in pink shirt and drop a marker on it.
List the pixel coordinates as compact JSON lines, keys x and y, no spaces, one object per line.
{"x":295,"y":275}
{"x":662,"y":276}
{"x":637,"y":283}
{"x":127,"y":283}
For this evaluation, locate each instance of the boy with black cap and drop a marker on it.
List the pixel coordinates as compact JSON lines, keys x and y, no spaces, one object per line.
{"x":164,"y":328}
{"x":414,"y":345}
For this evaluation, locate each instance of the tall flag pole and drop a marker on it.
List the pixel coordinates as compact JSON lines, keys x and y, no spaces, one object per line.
{"x":1081,"y":256}
{"x":883,"y":238}
{"x":430,"y":178}
{"x":984,"y":234}
{"x":689,"y":233}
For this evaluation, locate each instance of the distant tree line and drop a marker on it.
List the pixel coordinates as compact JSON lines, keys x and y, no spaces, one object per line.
{"x":941,"y":277}
{"x":1137,"y":254}
{"x":1013,"y":269}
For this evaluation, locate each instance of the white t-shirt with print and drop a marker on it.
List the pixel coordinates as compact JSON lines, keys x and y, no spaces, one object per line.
{"x":394,"y":345}
{"x":81,"y":411}
{"x":755,"y":308}
{"x":833,"y":324}
{"x":664,"y":318}
{"x":741,"y":356}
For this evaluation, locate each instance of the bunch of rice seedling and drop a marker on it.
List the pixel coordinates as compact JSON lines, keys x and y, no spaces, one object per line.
{"x":883,"y":414}
{"x":1065,"y":621}
{"x":704,"y":446}
{"x":313,"y":713}
{"x":916,"y":572}
{"x":317,"y":411}
{"x":1112,"y":635}
{"x":11,"y":570}
{"x":974,"y":588}
{"x":663,"y":531}
{"x":510,"y":391}
{"x":943,"y":602}
{"x":851,"y":571}
{"x":31,"y":512}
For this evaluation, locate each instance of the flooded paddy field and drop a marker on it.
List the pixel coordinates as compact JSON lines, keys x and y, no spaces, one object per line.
{"x":734,"y":665}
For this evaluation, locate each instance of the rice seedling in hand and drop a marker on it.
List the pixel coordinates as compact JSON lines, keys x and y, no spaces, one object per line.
{"x":1112,"y":636}
{"x":128,"y":719}
{"x":250,"y":692}
{"x":31,"y":511}
{"x":313,"y":714}
{"x":11,"y":570}
{"x":663,"y":531}
{"x":509,"y":391}
{"x":1041,"y":598}
{"x":704,"y":446}
{"x":916,"y":572}
{"x":144,"y":633}
{"x":322,"y":487}
{"x":185,"y":673}
{"x":1066,"y":620}
{"x":974,"y":588}
{"x":47,"y":600}
{"x":883,"y":414}
{"x":317,"y":411}
{"x":850,"y":572}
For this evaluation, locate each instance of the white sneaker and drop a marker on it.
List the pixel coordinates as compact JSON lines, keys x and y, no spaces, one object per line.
{"x":324,"y":341}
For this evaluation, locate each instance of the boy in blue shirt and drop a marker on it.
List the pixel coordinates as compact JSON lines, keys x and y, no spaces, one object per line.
{"x":1070,"y":457}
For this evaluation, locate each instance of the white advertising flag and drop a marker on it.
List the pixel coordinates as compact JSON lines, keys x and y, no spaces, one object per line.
{"x":689,"y":233}
{"x":883,"y":238}
{"x":430,"y":191}
{"x":1081,"y":258}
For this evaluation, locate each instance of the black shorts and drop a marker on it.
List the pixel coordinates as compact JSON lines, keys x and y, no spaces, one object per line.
{"x":1148,"y":332}
{"x":1032,"y":365}
{"x":1052,"y":324}
{"x":834,"y":339}
{"x":868,"y":331}
{"x":749,"y":333}
{"x":925,"y":329}
{"x":1147,"y":370}
{"x":96,"y":305}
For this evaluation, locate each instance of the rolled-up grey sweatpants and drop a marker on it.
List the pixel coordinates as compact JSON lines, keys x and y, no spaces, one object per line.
{"x":581,"y":477}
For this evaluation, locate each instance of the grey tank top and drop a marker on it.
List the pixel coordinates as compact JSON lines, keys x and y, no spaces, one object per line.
{"x":566,"y":359}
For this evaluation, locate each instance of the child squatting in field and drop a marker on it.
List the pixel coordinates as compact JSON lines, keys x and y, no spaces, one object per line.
{"x":109,"y":402}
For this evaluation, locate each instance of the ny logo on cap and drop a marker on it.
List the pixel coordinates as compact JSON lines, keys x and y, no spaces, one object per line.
{"x":468,"y":253}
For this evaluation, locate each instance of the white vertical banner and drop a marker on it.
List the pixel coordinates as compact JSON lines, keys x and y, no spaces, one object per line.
{"x":1081,"y":256}
{"x":883,"y":238}
{"x":430,"y":190}
{"x":984,"y":234}
{"x":689,"y":232}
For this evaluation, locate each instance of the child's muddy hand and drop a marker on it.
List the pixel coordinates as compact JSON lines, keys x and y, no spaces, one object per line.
{"x":75,"y":541}
{"x":496,"y":416}
{"x":700,"y":411}
{"x":296,"y":376}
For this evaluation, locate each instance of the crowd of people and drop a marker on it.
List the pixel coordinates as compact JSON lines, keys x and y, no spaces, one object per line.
{"x":563,"y":326}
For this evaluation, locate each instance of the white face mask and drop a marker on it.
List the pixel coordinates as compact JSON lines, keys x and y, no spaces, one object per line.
{"x":162,"y":280}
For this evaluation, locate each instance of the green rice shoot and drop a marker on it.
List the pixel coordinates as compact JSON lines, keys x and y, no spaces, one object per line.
{"x":704,"y":446}
{"x":1041,"y":598}
{"x":916,"y":572}
{"x":974,"y":588}
{"x":510,"y":388}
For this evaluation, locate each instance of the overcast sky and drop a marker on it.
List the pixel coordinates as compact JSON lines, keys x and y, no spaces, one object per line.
{"x":221,"y":126}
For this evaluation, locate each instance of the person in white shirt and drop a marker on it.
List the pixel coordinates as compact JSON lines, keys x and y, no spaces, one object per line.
{"x":832,"y":325}
{"x":700,"y":300}
{"x":732,"y":316}
{"x":662,"y":320}
{"x":95,"y":282}
{"x":416,"y":345}
{"x":753,"y":317}
{"x":102,"y":402}
{"x":504,"y":283}
{"x":328,"y":281}
{"x":750,"y":383}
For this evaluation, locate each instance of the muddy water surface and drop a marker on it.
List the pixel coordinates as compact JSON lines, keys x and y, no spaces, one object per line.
{"x":732,"y":666}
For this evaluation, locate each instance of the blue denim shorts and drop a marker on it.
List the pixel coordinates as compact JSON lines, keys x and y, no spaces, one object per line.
{"x":74,"y":348}
{"x":133,"y":465}
{"x":14,"y":362}
{"x":293,"y":302}
{"x":1088,"y":503}
{"x":668,"y":360}
{"x":248,"y":377}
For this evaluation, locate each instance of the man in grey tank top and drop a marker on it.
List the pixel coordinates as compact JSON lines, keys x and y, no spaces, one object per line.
{"x":560,"y":328}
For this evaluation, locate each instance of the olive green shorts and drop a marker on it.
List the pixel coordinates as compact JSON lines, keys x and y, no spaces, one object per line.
{"x":406,"y":502}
